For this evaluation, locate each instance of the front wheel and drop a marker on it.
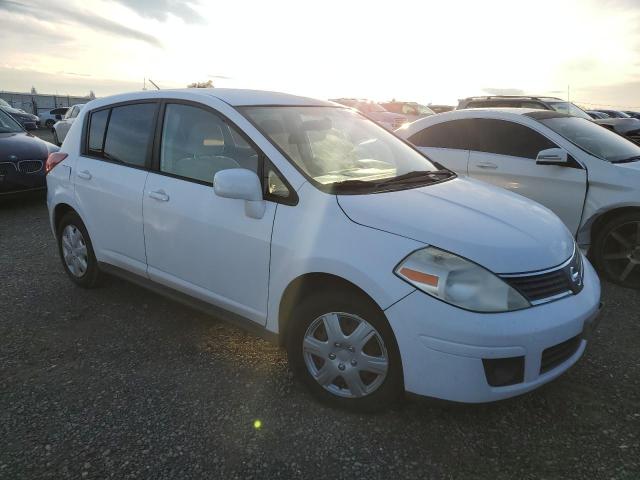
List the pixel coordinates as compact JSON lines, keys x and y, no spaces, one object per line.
{"x":617,"y":250}
{"x":343,"y":349}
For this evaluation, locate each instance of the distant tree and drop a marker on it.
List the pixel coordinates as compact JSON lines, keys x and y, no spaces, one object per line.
{"x":92,"y":95}
{"x":207,"y":84}
{"x":33,"y":91}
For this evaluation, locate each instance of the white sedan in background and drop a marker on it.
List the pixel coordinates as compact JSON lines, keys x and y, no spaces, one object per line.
{"x":61,"y":128}
{"x":586,"y":174}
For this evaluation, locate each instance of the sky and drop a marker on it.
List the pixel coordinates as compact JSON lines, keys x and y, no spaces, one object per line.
{"x":421,"y":50}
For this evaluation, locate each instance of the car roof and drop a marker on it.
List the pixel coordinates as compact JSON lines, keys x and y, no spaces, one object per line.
{"x":232,"y":96}
{"x":509,"y":113}
{"x":512,"y":97}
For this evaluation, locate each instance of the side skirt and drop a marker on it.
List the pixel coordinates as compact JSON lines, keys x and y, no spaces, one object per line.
{"x":195,"y":303}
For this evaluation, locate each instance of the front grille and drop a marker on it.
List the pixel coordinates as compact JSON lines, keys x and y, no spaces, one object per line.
{"x":546,"y":286}
{"x":6,"y":168}
{"x":30,"y":166}
{"x":558,"y":354}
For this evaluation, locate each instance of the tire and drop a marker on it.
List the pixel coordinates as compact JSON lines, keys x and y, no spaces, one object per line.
{"x":616,"y":250}
{"x":49,"y":123}
{"x":55,"y":138}
{"x":313,"y":355}
{"x":73,"y":240}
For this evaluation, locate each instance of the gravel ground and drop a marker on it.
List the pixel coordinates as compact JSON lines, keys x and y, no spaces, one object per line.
{"x":120,"y":383}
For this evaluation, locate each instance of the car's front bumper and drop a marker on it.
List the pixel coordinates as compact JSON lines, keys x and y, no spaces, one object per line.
{"x":448,"y":352}
{"x":13,"y":180}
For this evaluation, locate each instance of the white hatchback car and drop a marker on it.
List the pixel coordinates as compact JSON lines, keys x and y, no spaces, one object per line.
{"x":61,"y":127}
{"x":586,"y":174}
{"x":307,"y":222}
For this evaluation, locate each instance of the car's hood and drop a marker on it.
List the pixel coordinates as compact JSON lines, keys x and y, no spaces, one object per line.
{"x":497,"y":229}
{"x":23,"y":146}
{"x":620,"y":125}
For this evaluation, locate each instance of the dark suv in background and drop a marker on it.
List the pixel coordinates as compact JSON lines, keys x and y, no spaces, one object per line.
{"x":627,"y":127}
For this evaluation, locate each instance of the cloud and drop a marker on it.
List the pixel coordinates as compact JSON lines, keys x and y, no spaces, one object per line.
{"x":503,"y":91}
{"x":63,"y":14}
{"x":160,"y":9}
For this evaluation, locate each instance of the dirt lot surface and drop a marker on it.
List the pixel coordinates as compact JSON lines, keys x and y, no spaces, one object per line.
{"x":120,"y":383}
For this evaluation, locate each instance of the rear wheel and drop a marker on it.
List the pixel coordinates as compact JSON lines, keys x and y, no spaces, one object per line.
{"x":343,"y":349}
{"x":49,"y":123}
{"x":76,"y":251}
{"x":617,"y":250}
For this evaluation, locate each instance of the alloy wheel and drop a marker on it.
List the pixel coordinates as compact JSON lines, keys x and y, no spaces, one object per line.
{"x":74,"y":251}
{"x":621,"y":255}
{"x":345,"y":354}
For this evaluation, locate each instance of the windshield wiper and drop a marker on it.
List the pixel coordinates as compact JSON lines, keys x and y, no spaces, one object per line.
{"x":627,"y":160}
{"x":417,"y":176}
{"x":405,"y":179}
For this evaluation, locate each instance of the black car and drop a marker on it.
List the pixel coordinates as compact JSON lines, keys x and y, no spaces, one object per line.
{"x":22,"y":158}
{"x":633,"y":114}
{"x":27,"y":120}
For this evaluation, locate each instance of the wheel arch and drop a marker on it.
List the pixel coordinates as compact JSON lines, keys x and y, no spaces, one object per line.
{"x":589,"y":232}
{"x":313,"y":282}
{"x":60,"y":211}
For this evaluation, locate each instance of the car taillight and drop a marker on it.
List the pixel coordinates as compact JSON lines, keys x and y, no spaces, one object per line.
{"x":52,"y":160}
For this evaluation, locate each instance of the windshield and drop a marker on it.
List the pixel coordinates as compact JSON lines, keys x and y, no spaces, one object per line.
{"x":371,"y":107}
{"x":422,"y":110}
{"x":8,"y":124}
{"x":594,"y":139}
{"x":337,"y":147}
{"x":569,"y":109}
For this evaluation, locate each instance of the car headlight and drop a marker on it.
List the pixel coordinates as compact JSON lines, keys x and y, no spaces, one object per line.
{"x":459,"y":282}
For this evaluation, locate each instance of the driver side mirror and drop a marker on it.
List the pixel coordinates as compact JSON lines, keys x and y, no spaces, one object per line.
{"x":553,"y":156}
{"x":241,"y":184}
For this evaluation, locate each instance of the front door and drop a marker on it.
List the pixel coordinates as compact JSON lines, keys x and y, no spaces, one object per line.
{"x":505,"y":156}
{"x":197,"y":242}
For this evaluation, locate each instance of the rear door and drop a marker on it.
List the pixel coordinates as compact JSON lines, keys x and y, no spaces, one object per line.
{"x":448,"y":143}
{"x":505,"y":155}
{"x":109,"y":180}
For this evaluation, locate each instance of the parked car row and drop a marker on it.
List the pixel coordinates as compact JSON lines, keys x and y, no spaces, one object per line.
{"x":379,"y":267}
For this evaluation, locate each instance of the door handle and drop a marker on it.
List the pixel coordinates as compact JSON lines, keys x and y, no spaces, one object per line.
{"x":487,"y":165}
{"x":85,"y":174}
{"x":159,"y":195}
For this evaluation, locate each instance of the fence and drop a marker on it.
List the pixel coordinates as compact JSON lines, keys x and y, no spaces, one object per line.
{"x":38,"y":103}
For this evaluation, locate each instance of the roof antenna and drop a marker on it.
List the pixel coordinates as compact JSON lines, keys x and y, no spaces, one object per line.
{"x":154,"y":84}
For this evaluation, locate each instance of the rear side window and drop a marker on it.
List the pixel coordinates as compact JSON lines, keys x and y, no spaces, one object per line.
{"x":97,"y":127}
{"x":508,"y":138}
{"x":129,"y":133}
{"x":454,"y":134}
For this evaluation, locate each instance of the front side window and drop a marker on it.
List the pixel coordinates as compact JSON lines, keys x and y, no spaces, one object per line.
{"x":508,"y":138}
{"x":594,"y":139}
{"x":338,"y":149}
{"x":129,"y":133}
{"x":455,"y":134}
{"x":197,"y":143}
